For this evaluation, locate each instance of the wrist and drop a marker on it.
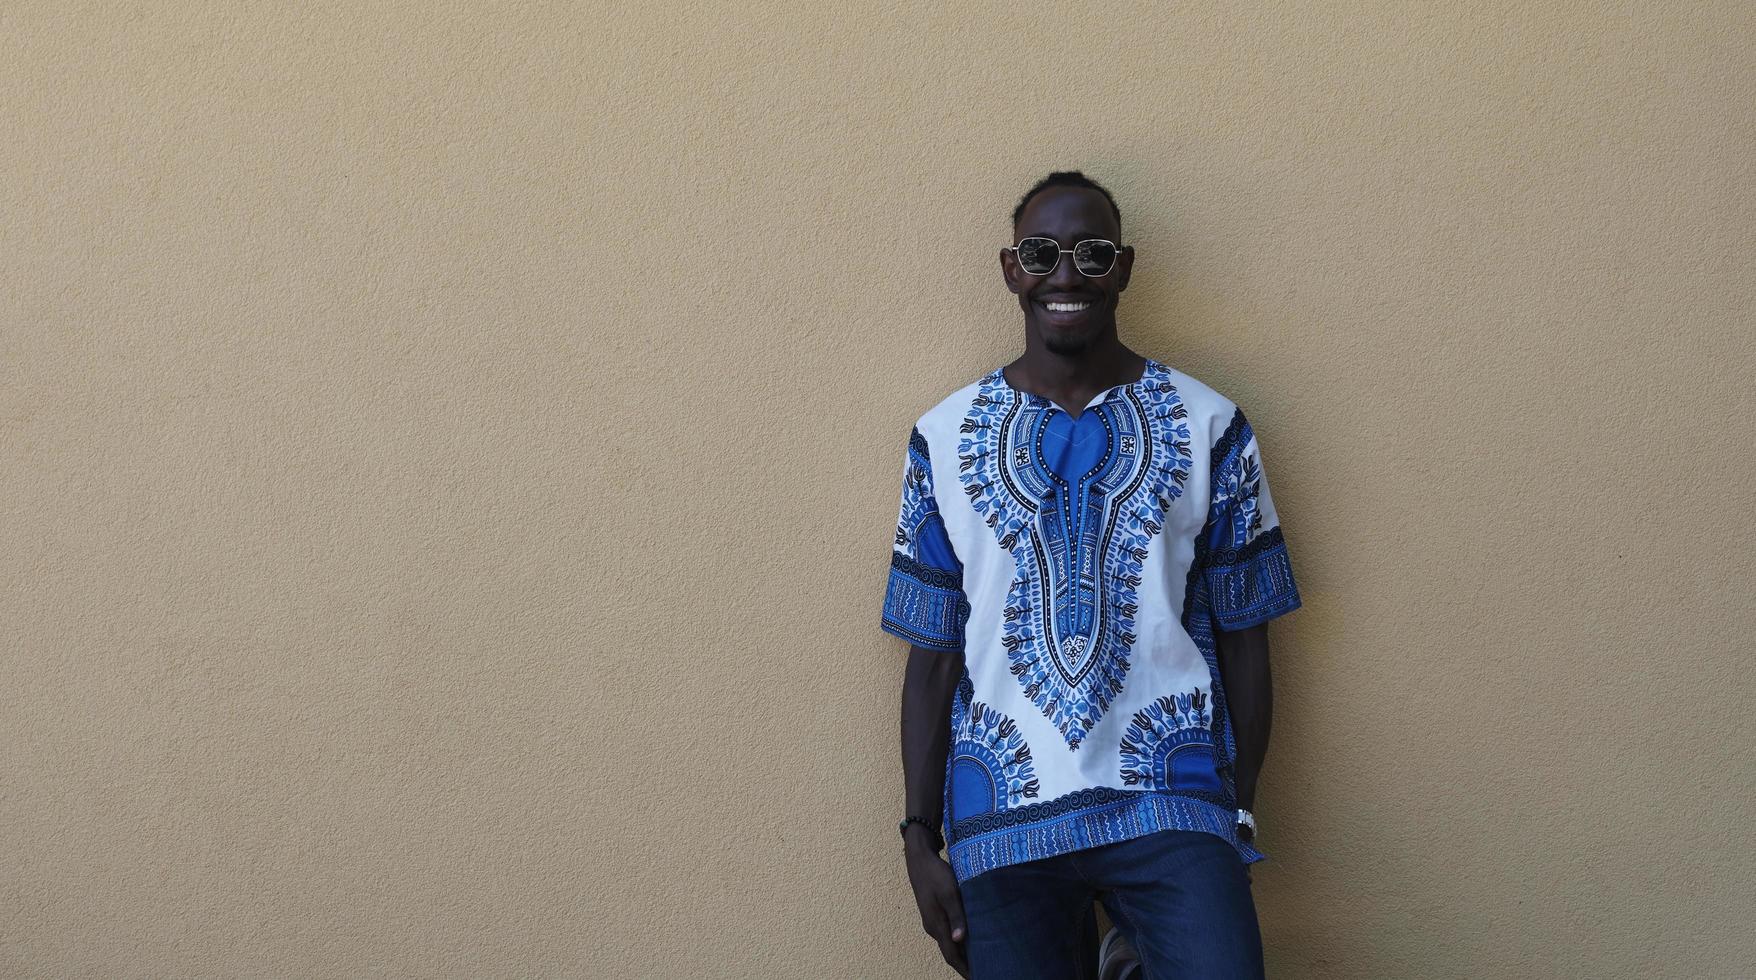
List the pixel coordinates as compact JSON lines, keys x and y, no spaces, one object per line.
{"x":918,"y":837}
{"x":1245,"y":791}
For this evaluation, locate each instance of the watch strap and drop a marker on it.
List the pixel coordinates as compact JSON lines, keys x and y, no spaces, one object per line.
{"x":1246,"y":825}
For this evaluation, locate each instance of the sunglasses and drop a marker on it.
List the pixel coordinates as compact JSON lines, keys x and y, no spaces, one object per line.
{"x":1038,"y":256}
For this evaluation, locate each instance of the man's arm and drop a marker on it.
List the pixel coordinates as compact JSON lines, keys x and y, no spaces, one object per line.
{"x":929,"y":682}
{"x":1243,"y":668}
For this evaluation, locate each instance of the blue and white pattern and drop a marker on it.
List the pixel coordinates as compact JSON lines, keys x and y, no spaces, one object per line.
{"x":1084,"y":818}
{"x":1169,"y":745}
{"x":989,"y":768}
{"x":1079,"y":536}
{"x":918,"y":506}
{"x":1249,"y":578}
{"x":925,"y":602}
{"x":1082,"y":567}
{"x":1241,"y":484}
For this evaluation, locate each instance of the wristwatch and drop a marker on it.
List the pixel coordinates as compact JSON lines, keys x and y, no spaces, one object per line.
{"x":1246,"y":825}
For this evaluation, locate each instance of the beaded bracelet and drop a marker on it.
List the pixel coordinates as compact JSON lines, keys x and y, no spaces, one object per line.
{"x":938,"y":840}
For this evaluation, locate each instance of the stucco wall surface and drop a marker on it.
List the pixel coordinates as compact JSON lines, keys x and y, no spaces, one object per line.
{"x":449,"y":454}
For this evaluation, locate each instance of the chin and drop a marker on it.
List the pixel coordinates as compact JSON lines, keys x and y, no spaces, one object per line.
{"x":1068,"y":344}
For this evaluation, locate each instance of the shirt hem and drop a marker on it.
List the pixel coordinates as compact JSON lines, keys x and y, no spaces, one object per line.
{"x":1151,"y":811}
{"x":927,"y":614}
{"x":1256,"y":590}
{"x":1261,"y":614}
{"x":919,"y":639}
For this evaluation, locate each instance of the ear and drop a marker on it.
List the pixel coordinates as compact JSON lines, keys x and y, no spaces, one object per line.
{"x":1009,"y":270}
{"x":1124,"y":267}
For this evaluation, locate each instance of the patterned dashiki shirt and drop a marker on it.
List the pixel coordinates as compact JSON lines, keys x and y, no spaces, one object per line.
{"x":1082,"y":566}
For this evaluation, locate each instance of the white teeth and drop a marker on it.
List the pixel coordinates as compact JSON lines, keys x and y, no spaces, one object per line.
{"x":1067,"y":307}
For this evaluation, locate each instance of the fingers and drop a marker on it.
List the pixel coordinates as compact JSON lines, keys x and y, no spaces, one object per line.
{"x":941,"y":907}
{"x":950,"y":949}
{"x":953,"y":950}
{"x":954,"y":958}
{"x":954,"y":916}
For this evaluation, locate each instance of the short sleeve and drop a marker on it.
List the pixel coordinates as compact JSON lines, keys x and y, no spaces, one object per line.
{"x":924,"y":602}
{"x":1249,"y":577}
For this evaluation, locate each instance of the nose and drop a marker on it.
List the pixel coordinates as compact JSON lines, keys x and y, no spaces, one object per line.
{"x":1065,"y":275}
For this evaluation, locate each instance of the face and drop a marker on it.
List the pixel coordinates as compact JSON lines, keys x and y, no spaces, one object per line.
{"x":1068,"y":215}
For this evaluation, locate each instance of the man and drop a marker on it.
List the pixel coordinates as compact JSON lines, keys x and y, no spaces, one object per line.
{"x":1085,"y":561}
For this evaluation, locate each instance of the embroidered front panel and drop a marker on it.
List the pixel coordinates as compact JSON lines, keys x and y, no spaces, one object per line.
{"x":1077,"y":523}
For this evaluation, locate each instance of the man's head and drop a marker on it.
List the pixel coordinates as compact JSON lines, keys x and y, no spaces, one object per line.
{"x":1068,"y":311}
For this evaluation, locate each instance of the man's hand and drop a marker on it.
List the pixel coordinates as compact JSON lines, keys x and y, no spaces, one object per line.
{"x":928,"y":688}
{"x":940,"y":902}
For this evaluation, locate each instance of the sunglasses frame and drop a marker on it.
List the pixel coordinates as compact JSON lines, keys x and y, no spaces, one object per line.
{"x":1115,"y":255}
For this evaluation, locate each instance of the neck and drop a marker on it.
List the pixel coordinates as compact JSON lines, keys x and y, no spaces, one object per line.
{"x":1070,"y":381}
{"x":1103,"y":365}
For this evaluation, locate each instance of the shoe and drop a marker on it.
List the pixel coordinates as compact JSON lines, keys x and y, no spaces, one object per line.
{"x":1117,"y":957}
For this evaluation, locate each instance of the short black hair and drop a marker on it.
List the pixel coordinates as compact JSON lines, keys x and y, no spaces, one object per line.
{"x":1066,"y":178}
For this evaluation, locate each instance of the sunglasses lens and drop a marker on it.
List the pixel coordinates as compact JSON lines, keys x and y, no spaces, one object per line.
{"x":1037,"y":255}
{"x":1094,"y":258}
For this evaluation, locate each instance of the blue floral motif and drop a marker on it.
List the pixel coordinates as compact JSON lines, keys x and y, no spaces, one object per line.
{"x":1240,"y":482}
{"x":1169,"y":744}
{"x":989,"y":769}
{"x":917,"y":495}
{"x":1079,"y":544}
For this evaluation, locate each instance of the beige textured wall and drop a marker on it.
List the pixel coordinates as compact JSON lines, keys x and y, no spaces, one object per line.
{"x":450,"y":453}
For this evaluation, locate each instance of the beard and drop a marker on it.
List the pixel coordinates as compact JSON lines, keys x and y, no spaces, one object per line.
{"x":1067,"y":344}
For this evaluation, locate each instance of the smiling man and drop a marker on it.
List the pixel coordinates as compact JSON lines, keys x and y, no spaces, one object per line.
{"x":1085,"y":561}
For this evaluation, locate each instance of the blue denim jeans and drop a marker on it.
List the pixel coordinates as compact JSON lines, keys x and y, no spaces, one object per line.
{"x":1180,"y":896}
